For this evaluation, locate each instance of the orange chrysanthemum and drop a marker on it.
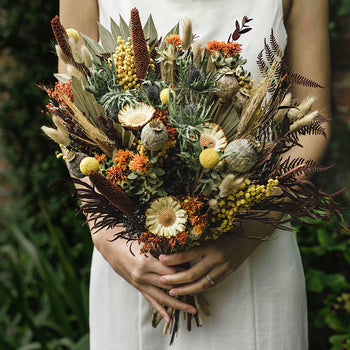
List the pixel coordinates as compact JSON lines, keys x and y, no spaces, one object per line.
{"x":173,"y":39}
{"x":213,"y":46}
{"x":122,"y":158}
{"x":232,"y":49}
{"x":116,"y":174}
{"x":139,"y":162}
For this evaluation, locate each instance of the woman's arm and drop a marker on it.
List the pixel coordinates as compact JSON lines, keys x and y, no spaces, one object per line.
{"x":308,"y":54}
{"x":141,"y":272}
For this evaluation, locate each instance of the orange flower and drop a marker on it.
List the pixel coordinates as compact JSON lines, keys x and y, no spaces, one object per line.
{"x":59,"y":90}
{"x":139,"y":162}
{"x":213,"y":46}
{"x":173,"y":39}
{"x":116,"y":174}
{"x":122,"y":158}
{"x":231,"y":49}
{"x":100,"y":158}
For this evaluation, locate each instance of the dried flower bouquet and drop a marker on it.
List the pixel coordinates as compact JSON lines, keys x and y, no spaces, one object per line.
{"x":179,"y":144}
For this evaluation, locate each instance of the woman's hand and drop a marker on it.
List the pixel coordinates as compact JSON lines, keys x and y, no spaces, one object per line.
{"x":140,"y":271}
{"x":218,"y":259}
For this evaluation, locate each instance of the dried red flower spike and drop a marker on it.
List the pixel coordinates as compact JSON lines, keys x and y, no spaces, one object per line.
{"x":113,"y":193}
{"x":141,"y":55}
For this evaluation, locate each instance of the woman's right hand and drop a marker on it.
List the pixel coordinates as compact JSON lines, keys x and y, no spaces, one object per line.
{"x":140,"y":271}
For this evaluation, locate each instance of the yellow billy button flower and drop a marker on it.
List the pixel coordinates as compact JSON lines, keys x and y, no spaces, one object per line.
{"x":164,"y":95}
{"x":72,"y":33}
{"x":89,"y":164}
{"x":209,"y":158}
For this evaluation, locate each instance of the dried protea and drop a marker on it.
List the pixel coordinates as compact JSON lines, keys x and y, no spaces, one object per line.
{"x":113,"y":193}
{"x":141,"y":53}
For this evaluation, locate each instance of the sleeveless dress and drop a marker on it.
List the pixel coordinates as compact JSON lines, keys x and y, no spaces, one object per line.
{"x":262,"y":305}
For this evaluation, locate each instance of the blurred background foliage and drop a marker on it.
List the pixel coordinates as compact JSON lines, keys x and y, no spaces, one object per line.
{"x":45,"y":254}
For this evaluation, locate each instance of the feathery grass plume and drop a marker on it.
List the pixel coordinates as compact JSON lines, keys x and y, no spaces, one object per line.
{"x":141,"y":53}
{"x":229,"y":184}
{"x":250,"y":118}
{"x":112,"y":192}
{"x":307,"y":120}
{"x":92,"y":133}
{"x":74,"y":46}
{"x":187,"y":35}
{"x":303,"y":109}
{"x":63,"y":42}
{"x":196,"y":48}
{"x":56,"y":135}
{"x":60,"y":54}
{"x":73,"y":71}
{"x":279,"y":116}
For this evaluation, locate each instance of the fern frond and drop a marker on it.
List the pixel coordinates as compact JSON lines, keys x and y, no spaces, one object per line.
{"x":299,"y":79}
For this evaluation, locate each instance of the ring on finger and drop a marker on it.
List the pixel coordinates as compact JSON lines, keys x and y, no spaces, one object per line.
{"x":210,"y":279}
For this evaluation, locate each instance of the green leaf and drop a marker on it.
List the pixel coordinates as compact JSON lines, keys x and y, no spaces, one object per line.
{"x":153,"y":160}
{"x":335,"y":323}
{"x":115,"y":29}
{"x":315,"y":281}
{"x":153,"y":175}
{"x":132,"y":176}
{"x":125,"y":32}
{"x":159,"y":171}
{"x":150,"y":30}
{"x":83,"y":343}
{"x":324,"y":238}
{"x":161,"y":193}
{"x":107,"y":39}
{"x":335,"y":281}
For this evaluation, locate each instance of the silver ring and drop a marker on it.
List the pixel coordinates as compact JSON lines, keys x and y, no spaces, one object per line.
{"x":209,"y":278}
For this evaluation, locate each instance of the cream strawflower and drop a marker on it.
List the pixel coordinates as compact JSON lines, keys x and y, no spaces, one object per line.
{"x":135,"y":117}
{"x":165,"y":217}
{"x":212,"y":136}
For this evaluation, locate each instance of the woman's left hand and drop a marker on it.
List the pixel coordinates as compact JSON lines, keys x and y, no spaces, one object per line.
{"x":218,"y":260}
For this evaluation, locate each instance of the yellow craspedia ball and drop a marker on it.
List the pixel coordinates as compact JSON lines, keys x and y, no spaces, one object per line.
{"x":164,"y":95}
{"x":72,"y":33}
{"x":209,"y":158}
{"x":89,"y":164}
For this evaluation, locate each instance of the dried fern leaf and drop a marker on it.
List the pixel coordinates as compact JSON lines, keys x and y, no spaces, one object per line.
{"x":107,"y":40}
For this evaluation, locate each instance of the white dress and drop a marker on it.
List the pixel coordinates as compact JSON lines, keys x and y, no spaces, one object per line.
{"x":262,"y":305}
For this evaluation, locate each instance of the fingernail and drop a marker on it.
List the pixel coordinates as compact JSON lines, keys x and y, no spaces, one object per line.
{"x":191,"y":310}
{"x":162,"y":279}
{"x":173,"y":292}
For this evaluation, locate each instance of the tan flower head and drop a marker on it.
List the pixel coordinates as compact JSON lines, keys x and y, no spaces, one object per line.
{"x":136,"y":117}
{"x":212,"y":136}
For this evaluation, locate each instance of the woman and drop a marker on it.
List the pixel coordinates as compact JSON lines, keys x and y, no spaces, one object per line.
{"x":258,"y":297}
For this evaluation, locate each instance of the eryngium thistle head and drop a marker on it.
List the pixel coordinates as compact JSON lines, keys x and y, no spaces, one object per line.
{"x":153,"y":93}
{"x":194,"y":76}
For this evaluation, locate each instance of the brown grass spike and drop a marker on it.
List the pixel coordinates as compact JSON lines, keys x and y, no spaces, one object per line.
{"x":112,"y":192}
{"x":141,"y":54}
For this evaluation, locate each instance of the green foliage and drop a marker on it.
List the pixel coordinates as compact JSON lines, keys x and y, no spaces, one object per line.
{"x":326,"y":257}
{"x":44,"y":255}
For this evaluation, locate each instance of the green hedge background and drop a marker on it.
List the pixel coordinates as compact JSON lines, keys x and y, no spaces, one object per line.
{"x":45,"y":254}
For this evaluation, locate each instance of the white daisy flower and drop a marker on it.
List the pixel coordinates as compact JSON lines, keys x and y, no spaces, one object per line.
{"x":165,"y":217}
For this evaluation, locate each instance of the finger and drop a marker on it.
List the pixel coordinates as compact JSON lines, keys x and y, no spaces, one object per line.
{"x":190,"y":275}
{"x":218,"y":274}
{"x":153,"y":279}
{"x":182,"y":257}
{"x":164,"y":299}
{"x":161,"y":310}
{"x":154,"y":265}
